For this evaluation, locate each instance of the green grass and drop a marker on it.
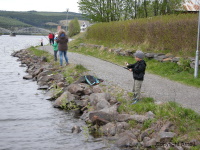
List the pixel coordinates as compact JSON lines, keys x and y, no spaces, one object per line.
{"x":172,"y":71}
{"x":73,"y":72}
{"x":41,"y":53}
{"x":186,"y":121}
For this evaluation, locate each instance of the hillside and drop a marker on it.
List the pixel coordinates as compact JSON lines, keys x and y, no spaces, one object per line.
{"x":48,"y":20}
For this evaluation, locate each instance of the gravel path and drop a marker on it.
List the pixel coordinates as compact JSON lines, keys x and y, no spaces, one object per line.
{"x":154,"y":86}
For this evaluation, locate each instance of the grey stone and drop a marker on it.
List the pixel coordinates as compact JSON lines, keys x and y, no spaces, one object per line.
{"x":102,"y":103}
{"x":109,"y":129}
{"x":165,"y":137}
{"x":149,"y":142}
{"x":28,"y":77}
{"x":76,"y":129}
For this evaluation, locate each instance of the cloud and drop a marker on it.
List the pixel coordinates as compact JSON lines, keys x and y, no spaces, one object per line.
{"x":39,"y":5}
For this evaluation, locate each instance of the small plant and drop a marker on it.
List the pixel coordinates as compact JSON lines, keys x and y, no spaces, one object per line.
{"x":148,"y":123}
{"x":86,"y":132}
{"x":132,"y":123}
{"x":184,"y":65}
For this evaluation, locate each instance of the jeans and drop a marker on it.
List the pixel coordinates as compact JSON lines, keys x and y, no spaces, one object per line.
{"x":61,"y":53}
{"x":55,"y":55}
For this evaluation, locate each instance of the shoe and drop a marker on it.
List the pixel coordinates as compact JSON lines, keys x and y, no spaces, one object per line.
{"x":67,"y":64}
{"x":135,"y":101}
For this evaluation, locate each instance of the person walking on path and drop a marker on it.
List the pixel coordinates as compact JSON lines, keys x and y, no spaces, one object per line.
{"x":62,"y":46}
{"x":138,"y":70}
{"x":51,"y":38}
{"x":55,"y":48}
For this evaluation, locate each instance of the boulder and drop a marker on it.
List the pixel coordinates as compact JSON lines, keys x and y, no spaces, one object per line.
{"x":109,"y":129}
{"x":149,"y":55}
{"x":79,"y":89}
{"x":94,"y":98}
{"x":126,"y":140}
{"x":28,"y":77}
{"x":165,"y":137}
{"x":101,"y":118}
{"x":111,"y":110}
{"x":63,"y":99}
{"x":37,"y":71}
{"x":76,"y":129}
{"x":76,"y":89}
{"x":101,"y":104}
{"x":148,"y":142}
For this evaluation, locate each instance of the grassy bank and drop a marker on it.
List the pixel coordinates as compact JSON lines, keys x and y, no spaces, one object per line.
{"x":176,"y":34}
{"x":181,"y":73}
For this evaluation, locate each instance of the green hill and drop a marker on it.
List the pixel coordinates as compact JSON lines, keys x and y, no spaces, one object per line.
{"x":48,"y":20}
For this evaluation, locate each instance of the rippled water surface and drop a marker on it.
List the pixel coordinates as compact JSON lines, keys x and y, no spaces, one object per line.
{"x":27,"y":120}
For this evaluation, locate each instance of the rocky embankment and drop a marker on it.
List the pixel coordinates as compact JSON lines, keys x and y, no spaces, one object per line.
{"x":99,"y":109}
{"x":157,"y":56}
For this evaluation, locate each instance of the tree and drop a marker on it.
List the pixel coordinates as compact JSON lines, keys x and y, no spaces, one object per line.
{"x":114,"y":10}
{"x":74,"y":27}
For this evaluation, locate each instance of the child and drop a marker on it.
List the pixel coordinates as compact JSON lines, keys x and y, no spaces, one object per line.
{"x":138,"y":70}
{"x":55,"y":48}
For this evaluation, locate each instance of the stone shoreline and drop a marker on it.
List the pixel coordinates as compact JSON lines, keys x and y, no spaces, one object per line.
{"x":98,"y":108}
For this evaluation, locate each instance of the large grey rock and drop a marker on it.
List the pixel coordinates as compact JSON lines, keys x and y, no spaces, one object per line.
{"x":109,"y":129}
{"x":126,"y":140}
{"x":111,"y":110}
{"x":101,"y":104}
{"x":165,"y":137}
{"x":63,"y":99}
{"x":148,"y":142}
{"x":28,"y":77}
{"x":75,"y":89}
{"x":96,"y":97}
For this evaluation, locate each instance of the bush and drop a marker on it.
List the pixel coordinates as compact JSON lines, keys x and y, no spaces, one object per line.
{"x":172,"y":33}
{"x":74,"y":27}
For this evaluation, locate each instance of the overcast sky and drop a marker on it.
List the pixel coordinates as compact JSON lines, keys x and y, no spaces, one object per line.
{"x":39,"y":5}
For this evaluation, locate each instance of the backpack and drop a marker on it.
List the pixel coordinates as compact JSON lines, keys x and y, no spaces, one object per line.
{"x":91,"y":80}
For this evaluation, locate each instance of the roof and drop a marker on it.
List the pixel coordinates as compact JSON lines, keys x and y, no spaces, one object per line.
{"x":192,"y":5}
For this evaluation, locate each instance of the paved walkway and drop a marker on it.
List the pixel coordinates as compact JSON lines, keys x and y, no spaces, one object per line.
{"x":154,"y":86}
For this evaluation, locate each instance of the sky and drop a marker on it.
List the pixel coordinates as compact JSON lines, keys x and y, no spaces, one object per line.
{"x":40,"y":5}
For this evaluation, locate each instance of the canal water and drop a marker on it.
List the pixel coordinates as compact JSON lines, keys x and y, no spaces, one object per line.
{"x":27,"y":120}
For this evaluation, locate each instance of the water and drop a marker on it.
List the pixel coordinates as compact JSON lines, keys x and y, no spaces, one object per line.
{"x":27,"y":120}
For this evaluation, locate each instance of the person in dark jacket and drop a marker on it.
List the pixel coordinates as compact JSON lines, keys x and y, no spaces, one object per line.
{"x":62,"y":46}
{"x":138,"y":70}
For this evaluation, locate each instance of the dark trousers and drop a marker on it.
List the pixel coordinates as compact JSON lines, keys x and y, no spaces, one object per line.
{"x":51,"y":41}
{"x":55,"y":55}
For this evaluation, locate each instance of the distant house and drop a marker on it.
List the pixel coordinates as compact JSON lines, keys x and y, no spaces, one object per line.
{"x":83,"y":27}
{"x":191,"y":5}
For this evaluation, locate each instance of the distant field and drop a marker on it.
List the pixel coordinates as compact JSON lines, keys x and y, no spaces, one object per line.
{"x":12,"y":19}
{"x":9,"y":22}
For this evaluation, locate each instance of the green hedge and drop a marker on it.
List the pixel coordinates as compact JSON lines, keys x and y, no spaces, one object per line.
{"x":171,"y":33}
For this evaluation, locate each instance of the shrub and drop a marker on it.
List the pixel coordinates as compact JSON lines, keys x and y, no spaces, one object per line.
{"x":172,"y":33}
{"x":74,"y":27}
